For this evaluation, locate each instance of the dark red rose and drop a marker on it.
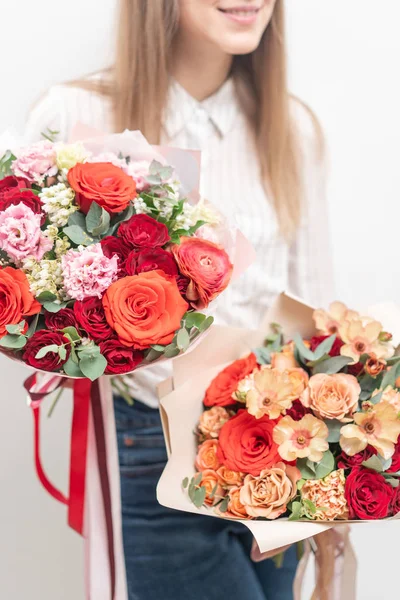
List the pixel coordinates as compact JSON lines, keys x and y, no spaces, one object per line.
{"x":63,"y":318}
{"x":395,"y":504}
{"x":368,"y":494}
{"x":40,"y":339}
{"x":112,"y":245}
{"x":395,"y":466}
{"x":151,"y":260}
{"x":16,"y":196}
{"x":10,"y":183}
{"x":90,"y":315}
{"x":297,"y":411}
{"x":120,"y":359}
{"x":142,"y":231}
{"x":356,"y":369}
{"x":318,"y":339}
{"x":349,"y":462}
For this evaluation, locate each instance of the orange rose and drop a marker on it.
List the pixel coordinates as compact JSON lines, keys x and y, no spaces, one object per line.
{"x":228,"y":478}
{"x":207,"y":456}
{"x":103,"y":183}
{"x":235,"y":510}
{"x":16,"y":300}
{"x":144,"y":309}
{"x":209,"y":480}
{"x":208,"y":267}
{"x":224,"y":385}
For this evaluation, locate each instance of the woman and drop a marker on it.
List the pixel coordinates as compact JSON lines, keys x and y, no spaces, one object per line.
{"x":208,"y":74}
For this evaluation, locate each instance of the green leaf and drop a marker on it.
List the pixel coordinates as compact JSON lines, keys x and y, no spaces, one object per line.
{"x":97,"y":220}
{"x":393,"y":482}
{"x":79,"y":236}
{"x":223,"y":506}
{"x":297,"y":510}
{"x":77,"y":218}
{"x":6,"y":162}
{"x":194,"y":319}
{"x":46,"y":297}
{"x":197,"y":479}
{"x":304,"y":468}
{"x":263,"y":356}
{"x":206,"y":324}
{"x":183,"y":340}
{"x":171,"y":351}
{"x":334,"y":428}
{"x":310,"y":506}
{"x":300,"y":484}
{"x":153,"y":354}
{"x":325,"y":466}
{"x":185,"y":483}
{"x":332,"y":365}
{"x":15,"y":329}
{"x":54,"y":307}
{"x":93,"y":367}
{"x":303,"y":350}
{"x":311,"y":465}
{"x":376,"y":463}
{"x":71,"y":368}
{"x":32,"y":326}
{"x":73,"y":333}
{"x":191,"y":489}
{"x":213,"y":491}
{"x":391,"y":376}
{"x":199,"y":497}
{"x":324,"y":347}
{"x":45,"y":350}
{"x":89,"y":351}
{"x":392,"y":361}
{"x":62,"y":352}
{"x":375,"y":398}
{"x":14,"y":342}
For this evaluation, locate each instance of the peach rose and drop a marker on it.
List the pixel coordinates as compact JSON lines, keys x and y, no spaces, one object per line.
{"x":299,"y":381}
{"x":228,"y":478}
{"x":209,"y":480}
{"x":284,"y":360}
{"x":235,"y":510}
{"x":268,"y":494}
{"x":332,"y":396}
{"x":212,"y":420}
{"x":207,"y":456}
{"x":208,"y":267}
{"x":144,"y":309}
{"x":391,"y":396}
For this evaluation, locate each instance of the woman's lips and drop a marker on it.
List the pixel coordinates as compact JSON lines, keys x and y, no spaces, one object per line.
{"x":244,"y":15}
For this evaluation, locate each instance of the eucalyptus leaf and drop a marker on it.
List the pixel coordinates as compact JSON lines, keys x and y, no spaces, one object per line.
{"x":197,"y":479}
{"x":306,"y":472}
{"x":171,"y":351}
{"x":376,"y":398}
{"x":183,"y":340}
{"x":393,"y":482}
{"x":310,"y":506}
{"x":374,"y":463}
{"x":45,"y":350}
{"x":153,"y":354}
{"x":77,"y":218}
{"x":54,"y":307}
{"x":89,"y":351}
{"x":32,"y":326}
{"x":72,"y":369}
{"x":391,"y":376}
{"x":297,"y":510}
{"x":311,"y":465}
{"x":223,"y":506}
{"x":263,"y":356}
{"x":79,"y":236}
{"x":94,"y":367}
{"x":194,"y":319}
{"x":15,"y":329}
{"x":333,"y":365}
{"x":46,"y":297}
{"x":325,"y":466}
{"x":62,"y":352}
{"x":199,"y":497}
{"x":392,"y":361}
{"x":305,"y":352}
{"x":185,"y":482}
{"x":206,"y":324}
{"x":97,"y":220}
{"x":334,"y":428}
{"x":73,"y":333}
{"x":13,"y":342}
{"x":324,"y":347}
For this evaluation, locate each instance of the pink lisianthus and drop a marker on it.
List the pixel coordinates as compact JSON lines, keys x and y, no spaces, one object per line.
{"x":36,"y":162}
{"x":139,"y":171}
{"x":20,"y":234}
{"x":87,"y":272}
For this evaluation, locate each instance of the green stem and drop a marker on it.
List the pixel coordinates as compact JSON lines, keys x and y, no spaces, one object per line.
{"x":54,"y":403}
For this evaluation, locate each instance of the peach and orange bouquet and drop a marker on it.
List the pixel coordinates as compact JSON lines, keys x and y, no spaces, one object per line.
{"x":105,"y":263}
{"x":306,"y":428}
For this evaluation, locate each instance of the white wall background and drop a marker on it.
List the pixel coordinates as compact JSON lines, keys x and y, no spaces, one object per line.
{"x":344,"y":63}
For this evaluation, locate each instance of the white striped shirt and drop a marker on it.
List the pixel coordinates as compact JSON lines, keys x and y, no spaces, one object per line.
{"x":230,"y":179}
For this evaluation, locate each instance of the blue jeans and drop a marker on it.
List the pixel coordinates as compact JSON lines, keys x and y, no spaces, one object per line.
{"x":171,"y":555}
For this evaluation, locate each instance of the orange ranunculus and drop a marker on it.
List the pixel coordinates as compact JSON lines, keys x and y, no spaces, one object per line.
{"x":103,"y":183}
{"x":144,"y":309}
{"x":16,"y":299}
{"x":207,"y":456}
{"x":208,"y":267}
{"x":224,"y":385}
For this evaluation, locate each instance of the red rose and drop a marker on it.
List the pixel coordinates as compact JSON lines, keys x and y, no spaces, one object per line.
{"x":151,"y":260}
{"x":246,"y":444}
{"x":90,"y":315}
{"x":112,"y":245}
{"x":208,"y":267}
{"x":318,"y":339}
{"x":220,"y":390}
{"x":368,"y":495}
{"x":120,"y":359}
{"x":395,"y":504}
{"x":142,"y":231}
{"x":395,"y":466}
{"x":297,"y":411}
{"x":103,"y":183}
{"x":349,"y":462}
{"x":40,"y":339}
{"x":63,"y":318}
{"x":10,"y":183}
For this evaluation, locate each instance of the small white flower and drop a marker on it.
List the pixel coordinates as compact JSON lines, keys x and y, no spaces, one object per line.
{"x":58,"y":203}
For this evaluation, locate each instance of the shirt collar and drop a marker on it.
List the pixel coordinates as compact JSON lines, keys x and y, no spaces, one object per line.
{"x":182,"y":109}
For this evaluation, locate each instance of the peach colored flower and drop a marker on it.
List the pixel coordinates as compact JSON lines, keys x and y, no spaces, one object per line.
{"x":307,"y":438}
{"x":332,"y":396}
{"x":228,"y":478}
{"x":362,"y":336}
{"x":391,"y":396}
{"x":207,"y":456}
{"x":329,"y":322}
{"x":328,"y":496}
{"x":378,"y":427}
{"x":284,"y":360}
{"x":271,"y":391}
{"x":235,"y":510}
{"x":209,"y":479}
{"x":374,"y":366}
{"x":268,"y":494}
{"x":212,"y":420}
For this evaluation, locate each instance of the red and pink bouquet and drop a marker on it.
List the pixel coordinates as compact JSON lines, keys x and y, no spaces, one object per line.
{"x":105,"y":263}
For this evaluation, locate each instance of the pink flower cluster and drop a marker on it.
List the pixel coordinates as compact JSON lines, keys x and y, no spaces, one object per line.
{"x":20,"y":234}
{"x":36,"y":162}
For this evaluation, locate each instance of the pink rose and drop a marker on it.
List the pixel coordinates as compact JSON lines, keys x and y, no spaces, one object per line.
{"x":88,"y":272}
{"x":36,"y":162}
{"x":20,"y":234}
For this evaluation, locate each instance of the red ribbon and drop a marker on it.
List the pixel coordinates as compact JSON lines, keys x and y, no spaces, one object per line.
{"x":86,"y":393}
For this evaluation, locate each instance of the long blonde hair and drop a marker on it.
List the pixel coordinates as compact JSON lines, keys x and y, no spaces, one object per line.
{"x":139,"y":81}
